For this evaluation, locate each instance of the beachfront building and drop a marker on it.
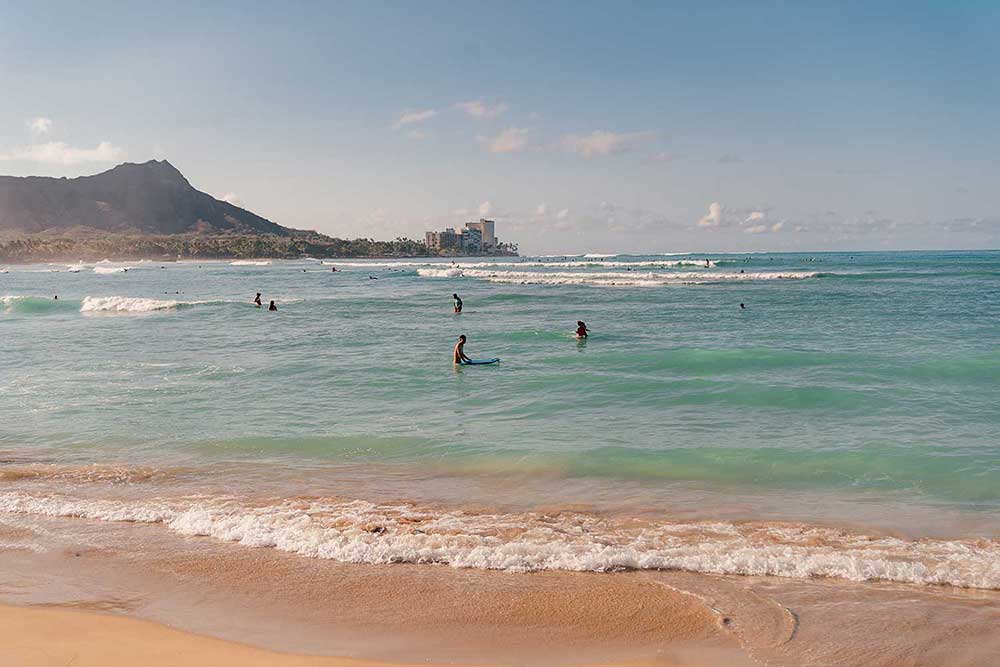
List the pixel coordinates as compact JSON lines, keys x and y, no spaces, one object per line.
{"x":449,"y":239}
{"x":472,"y":240}
{"x":486,"y":232}
{"x":475,"y":238}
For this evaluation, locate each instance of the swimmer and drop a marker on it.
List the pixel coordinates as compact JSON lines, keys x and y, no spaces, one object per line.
{"x":272,"y":306}
{"x":581,"y":329}
{"x":256,"y":300}
{"x":743,"y":306}
{"x":457,"y":302}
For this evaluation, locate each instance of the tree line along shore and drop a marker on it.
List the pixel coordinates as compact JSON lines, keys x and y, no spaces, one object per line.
{"x":45,"y":248}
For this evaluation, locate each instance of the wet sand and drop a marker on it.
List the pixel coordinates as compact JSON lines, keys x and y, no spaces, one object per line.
{"x":266,"y":605}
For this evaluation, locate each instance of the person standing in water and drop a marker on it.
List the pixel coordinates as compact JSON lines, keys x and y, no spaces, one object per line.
{"x":460,"y":357}
{"x":272,"y":306}
{"x":256,"y":300}
{"x":457,"y":303}
{"x":581,"y":330}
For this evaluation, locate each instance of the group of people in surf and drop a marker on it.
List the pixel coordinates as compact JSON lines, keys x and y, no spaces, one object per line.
{"x":259,"y":304}
{"x":461,"y":359}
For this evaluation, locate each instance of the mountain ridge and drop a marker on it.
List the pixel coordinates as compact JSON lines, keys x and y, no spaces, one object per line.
{"x":149,"y":198}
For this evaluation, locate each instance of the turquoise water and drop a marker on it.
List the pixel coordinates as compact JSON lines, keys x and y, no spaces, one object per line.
{"x":870,"y":373}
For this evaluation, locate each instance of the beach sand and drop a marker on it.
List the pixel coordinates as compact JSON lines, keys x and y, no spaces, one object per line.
{"x":45,"y":636}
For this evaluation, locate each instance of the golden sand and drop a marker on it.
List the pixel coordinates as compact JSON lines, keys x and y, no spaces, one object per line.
{"x":46,"y":637}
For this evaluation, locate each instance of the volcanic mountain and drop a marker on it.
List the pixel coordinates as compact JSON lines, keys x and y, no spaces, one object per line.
{"x":148,"y":198}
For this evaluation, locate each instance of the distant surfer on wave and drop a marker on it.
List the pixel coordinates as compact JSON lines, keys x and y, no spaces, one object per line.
{"x":457,"y":303}
{"x":460,"y":357}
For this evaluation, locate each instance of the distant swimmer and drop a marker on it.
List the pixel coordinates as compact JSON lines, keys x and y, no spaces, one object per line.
{"x":460,"y":357}
{"x":333,"y":269}
{"x":256,"y":300}
{"x":581,"y":330}
{"x":743,"y":306}
{"x":457,"y":302}
{"x":372,"y":278}
{"x":55,"y":298}
{"x":272,"y":306}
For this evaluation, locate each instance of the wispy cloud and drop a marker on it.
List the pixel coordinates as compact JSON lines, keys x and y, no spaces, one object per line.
{"x":481,"y":109}
{"x":601,"y":143}
{"x":40,"y":126}
{"x":232,"y":198}
{"x":61,"y":153}
{"x":411,"y":116}
{"x":511,"y":140}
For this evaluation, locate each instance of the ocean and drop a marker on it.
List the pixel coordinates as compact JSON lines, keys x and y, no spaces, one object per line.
{"x":844,"y":424}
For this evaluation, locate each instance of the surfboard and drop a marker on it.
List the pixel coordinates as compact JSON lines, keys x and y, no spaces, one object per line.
{"x":480,"y":362}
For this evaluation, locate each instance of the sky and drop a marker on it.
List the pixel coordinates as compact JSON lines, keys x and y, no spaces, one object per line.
{"x":577,"y":126}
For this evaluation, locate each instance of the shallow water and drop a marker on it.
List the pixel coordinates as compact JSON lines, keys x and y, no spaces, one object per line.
{"x":854,"y":391}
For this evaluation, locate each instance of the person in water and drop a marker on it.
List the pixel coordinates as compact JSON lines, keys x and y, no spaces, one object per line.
{"x":460,"y":357}
{"x":272,"y":306}
{"x":256,"y":300}
{"x":581,"y":330}
{"x":457,"y":302}
{"x":743,"y":306}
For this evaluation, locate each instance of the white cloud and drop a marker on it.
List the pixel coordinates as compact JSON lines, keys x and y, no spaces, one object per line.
{"x":485,"y":209}
{"x":755,"y":216}
{"x":480,"y":109}
{"x":58,"y":152}
{"x":40,"y":126}
{"x":411,"y":116}
{"x":715,"y":217}
{"x":511,"y":140}
{"x":232,"y":198}
{"x":601,"y":143}
{"x":776,"y":227}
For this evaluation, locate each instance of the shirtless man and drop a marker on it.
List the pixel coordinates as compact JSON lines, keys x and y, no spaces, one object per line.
{"x":460,"y":357}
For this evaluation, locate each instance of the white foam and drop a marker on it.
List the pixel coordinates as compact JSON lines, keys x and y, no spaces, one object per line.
{"x":357,"y":531}
{"x":453,"y":272}
{"x":250,"y":262}
{"x":609,"y":278}
{"x":124,"y":304}
{"x":111,"y":269}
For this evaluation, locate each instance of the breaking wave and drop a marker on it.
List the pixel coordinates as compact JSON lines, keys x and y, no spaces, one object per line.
{"x":617,"y":278}
{"x":250,"y":262}
{"x":357,"y":531}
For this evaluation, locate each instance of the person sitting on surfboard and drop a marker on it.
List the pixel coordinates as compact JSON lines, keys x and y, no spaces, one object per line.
{"x":460,"y":357}
{"x":581,"y":329}
{"x":457,"y":302}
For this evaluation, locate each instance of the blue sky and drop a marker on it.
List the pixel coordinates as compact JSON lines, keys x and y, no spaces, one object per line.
{"x":578,"y":126}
